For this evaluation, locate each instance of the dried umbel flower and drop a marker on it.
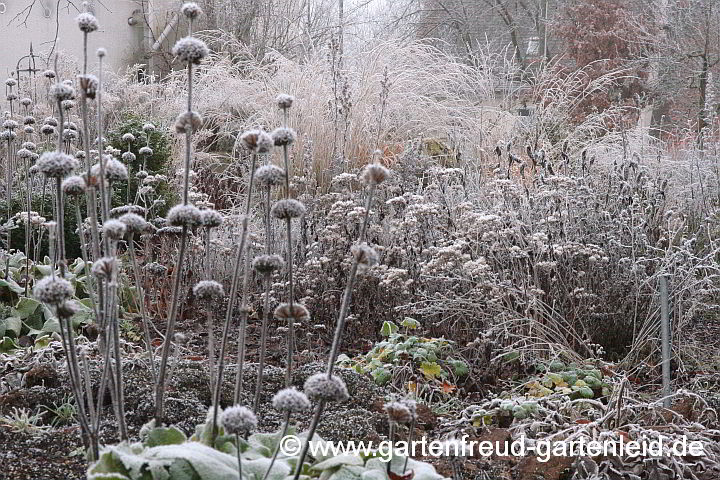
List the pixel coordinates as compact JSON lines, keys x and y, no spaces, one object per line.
{"x":29,"y":120}
{"x":364,"y":254}
{"x":267,"y":264}
{"x":185,"y":216}
{"x":10,"y":82}
{"x":87,"y":22}
{"x":56,"y":164}
{"x":208,"y":291}
{"x":290,"y":400}
{"x":47,"y":130}
{"x":62,"y":91}
{"x":128,"y":138}
{"x":238,"y":420}
{"x":375,"y":174}
{"x":398,"y":412}
{"x":269,"y":175}
{"x":298,"y":312}
{"x":191,"y":10}
{"x":10,"y":124}
{"x":128,"y":157}
{"x":103,"y":267}
{"x":257,"y":141}
{"x":155,"y":269}
{"x":145,"y":151}
{"x":89,"y":84}
{"x":287,"y":208}
{"x":29,"y":146}
{"x":53,"y":290}
{"x":211,"y":218}
{"x":74,"y":186}
{"x":134,"y":223}
{"x":188,"y":122}
{"x":114,"y":229}
{"x":115,"y":170}
{"x":190,"y":50}
{"x":284,"y":101}
{"x":321,"y":388}
{"x":283,"y":136}
{"x":24,"y":153}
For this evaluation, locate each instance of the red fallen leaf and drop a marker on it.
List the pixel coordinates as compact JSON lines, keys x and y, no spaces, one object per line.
{"x":448,"y":387}
{"x":156,"y":342}
{"x":195,"y":358}
{"x":582,"y":421}
{"x":407,"y":476}
{"x":625,"y":435}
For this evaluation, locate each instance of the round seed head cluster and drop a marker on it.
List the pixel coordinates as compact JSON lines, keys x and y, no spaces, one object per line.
{"x":128,"y":138}
{"x":74,"y":185}
{"x":185,"y":216}
{"x":30,"y":146}
{"x":24,"y":153}
{"x":364,"y":254}
{"x":141,"y":174}
{"x":156,"y":269}
{"x":29,"y":130}
{"x":68,"y":105}
{"x":10,"y":124}
{"x":238,"y":420}
{"x":190,"y":50}
{"x":51,"y":121}
{"x":398,"y":412}
{"x":103,"y":267}
{"x":10,"y":82}
{"x":66,"y":309}
{"x":257,"y":141}
{"x":208,"y":291}
{"x":115,"y":170}
{"x":89,"y":84}
{"x":114,"y":229}
{"x":148,"y":128}
{"x":56,"y":164}
{"x":411,"y":406}
{"x":284,"y":101}
{"x":145,"y":151}
{"x":49,"y":74}
{"x":47,"y":130}
{"x":270,"y":175}
{"x":101,"y":52}
{"x":267,"y":264}
{"x":134,"y":222}
{"x":287,"y":208}
{"x":29,"y":120}
{"x":211,"y":218}
{"x":290,"y":400}
{"x":188,"y":122}
{"x":128,"y":157}
{"x":283,"y":136}
{"x":26,"y":102}
{"x":87,"y":22}
{"x":191,"y":10}
{"x":298,"y":312}
{"x":375,"y":174}
{"x":62,"y":91}
{"x":321,"y":388}
{"x":53,"y":290}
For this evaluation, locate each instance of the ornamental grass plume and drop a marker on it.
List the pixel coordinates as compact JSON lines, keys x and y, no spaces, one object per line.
{"x":190,"y":51}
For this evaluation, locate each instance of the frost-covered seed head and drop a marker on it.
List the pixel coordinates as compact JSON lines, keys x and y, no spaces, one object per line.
{"x":56,"y":164}
{"x":208,"y":291}
{"x":270,"y":175}
{"x":69,"y":135}
{"x":89,"y":84}
{"x":188,"y":122}
{"x":148,"y":128}
{"x":411,"y":406}
{"x":34,"y":170}
{"x":26,"y":102}
{"x":185,"y":216}
{"x":128,"y":138}
{"x":290,"y":400}
{"x":287,"y":208}
{"x":145,"y":151}
{"x":284,"y":101}
{"x":364,"y":254}
{"x":29,"y":120}
{"x":321,"y":388}
{"x":257,"y":141}
{"x":62,"y":91}
{"x":103,"y":267}
{"x":238,"y":420}
{"x":211,"y":218}
{"x":134,"y":223}
{"x":53,"y":290}
{"x":74,"y":186}
{"x":115,"y":170}
{"x":128,"y":157}
{"x":87,"y":22}
{"x":375,"y":174}
{"x":80,"y":155}
{"x":398,"y":412}
{"x":155,"y":269}
{"x":10,"y":82}
{"x":47,"y":130}
{"x":191,"y":10}
{"x":50,"y":74}
{"x":283,"y":136}
{"x":10,"y":124}
{"x":66,"y":309}
{"x":68,"y":104}
{"x":267,"y":264}
{"x":24,"y":153}
{"x":190,"y":50}
{"x":141,"y":174}
{"x":29,"y":130}
{"x":51,"y":121}
{"x":101,"y":52}
{"x":29,"y":146}
{"x":114,"y":229}
{"x":298,"y":312}
{"x":123,"y":209}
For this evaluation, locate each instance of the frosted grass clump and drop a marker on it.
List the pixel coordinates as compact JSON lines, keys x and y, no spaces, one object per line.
{"x":56,"y":164}
{"x":53,"y":290}
{"x":185,"y":216}
{"x":190,"y":50}
{"x":257,"y":141}
{"x":283,"y":136}
{"x":321,"y":388}
{"x":290,"y":400}
{"x":270,"y":175}
{"x":238,"y":420}
{"x":287,"y":208}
